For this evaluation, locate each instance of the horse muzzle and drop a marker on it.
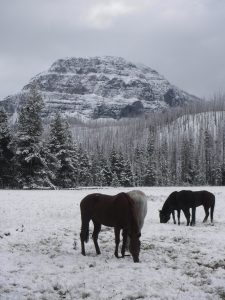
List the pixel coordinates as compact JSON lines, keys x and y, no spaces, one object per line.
{"x":136,"y":260}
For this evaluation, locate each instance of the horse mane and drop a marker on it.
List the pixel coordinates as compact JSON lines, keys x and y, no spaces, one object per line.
{"x":134,"y":217}
{"x":140,"y":200}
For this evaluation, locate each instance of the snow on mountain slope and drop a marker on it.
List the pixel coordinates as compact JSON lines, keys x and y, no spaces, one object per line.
{"x":38,"y":230}
{"x":96,"y":87}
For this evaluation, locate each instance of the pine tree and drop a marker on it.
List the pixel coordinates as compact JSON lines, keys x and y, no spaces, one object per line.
{"x":101,"y":173}
{"x":208,"y":143}
{"x":30,"y":159}
{"x":139,"y":166}
{"x":164,"y":168}
{"x":175,"y":163}
{"x":62,"y":148}
{"x":113,"y":159}
{"x":200,"y":178}
{"x":126,"y":176}
{"x":6,"y":154}
{"x":217,"y":164}
{"x":84,"y":168}
{"x":187,"y":161}
{"x":116,"y":162}
{"x":115,"y":181}
{"x":150,"y":169}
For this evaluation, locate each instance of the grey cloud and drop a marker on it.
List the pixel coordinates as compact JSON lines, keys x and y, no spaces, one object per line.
{"x":182,"y":39}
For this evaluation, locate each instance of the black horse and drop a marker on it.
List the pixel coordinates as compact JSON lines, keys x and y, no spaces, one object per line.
{"x":184,"y":200}
{"x":117,"y":211}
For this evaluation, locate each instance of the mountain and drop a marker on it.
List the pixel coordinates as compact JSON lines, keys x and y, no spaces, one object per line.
{"x":101,"y":87}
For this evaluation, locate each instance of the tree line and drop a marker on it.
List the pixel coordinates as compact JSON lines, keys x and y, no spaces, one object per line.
{"x":172,"y":149}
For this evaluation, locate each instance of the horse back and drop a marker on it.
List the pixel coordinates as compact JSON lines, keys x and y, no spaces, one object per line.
{"x":108,"y":210}
{"x":189,"y":199}
{"x":204,"y":198}
{"x":186,"y":199}
{"x":98,"y":207}
{"x":179,"y":200}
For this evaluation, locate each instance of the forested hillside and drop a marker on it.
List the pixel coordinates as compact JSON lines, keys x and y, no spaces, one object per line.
{"x":183,"y":146}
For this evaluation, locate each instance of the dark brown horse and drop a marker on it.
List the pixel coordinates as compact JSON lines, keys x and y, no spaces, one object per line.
{"x":114,"y":211}
{"x":184,"y":200}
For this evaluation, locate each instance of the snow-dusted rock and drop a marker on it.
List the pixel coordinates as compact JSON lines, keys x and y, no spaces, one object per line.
{"x":101,"y":87}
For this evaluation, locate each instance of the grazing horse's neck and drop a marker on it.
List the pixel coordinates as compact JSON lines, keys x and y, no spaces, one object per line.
{"x":167,"y":206}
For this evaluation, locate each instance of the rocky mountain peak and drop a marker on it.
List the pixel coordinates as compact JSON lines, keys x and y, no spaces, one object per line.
{"x":101,"y":87}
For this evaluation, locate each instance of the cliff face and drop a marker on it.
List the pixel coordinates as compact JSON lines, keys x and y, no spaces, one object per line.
{"x":101,"y":87}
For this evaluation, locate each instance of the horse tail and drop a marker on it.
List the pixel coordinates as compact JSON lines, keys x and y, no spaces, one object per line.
{"x":84,"y":233}
{"x":212,"y":208}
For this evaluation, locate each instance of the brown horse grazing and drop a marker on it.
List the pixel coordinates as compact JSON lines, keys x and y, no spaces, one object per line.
{"x":184,"y":200}
{"x":114,"y":211}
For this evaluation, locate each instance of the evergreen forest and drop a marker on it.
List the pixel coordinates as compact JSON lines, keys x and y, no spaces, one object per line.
{"x":181,"y":147}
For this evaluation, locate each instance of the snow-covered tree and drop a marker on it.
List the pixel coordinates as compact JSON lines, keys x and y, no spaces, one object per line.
{"x":208,"y":143}
{"x":138,"y":166}
{"x":115,"y":181}
{"x":187,"y":161}
{"x":164,"y":172}
{"x":6,"y":154}
{"x":101,"y":172}
{"x":126,"y":176}
{"x":85,"y":177}
{"x":60,"y":145}
{"x":30,"y":158}
{"x":150,"y":159}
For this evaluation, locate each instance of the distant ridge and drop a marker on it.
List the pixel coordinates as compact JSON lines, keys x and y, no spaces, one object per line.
{"x":101,"y":87}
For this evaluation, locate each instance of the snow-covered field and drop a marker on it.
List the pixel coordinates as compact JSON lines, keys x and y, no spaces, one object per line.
{"x":38,"y":259}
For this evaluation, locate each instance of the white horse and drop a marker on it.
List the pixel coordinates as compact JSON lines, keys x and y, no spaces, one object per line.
{"x":140,"y":200}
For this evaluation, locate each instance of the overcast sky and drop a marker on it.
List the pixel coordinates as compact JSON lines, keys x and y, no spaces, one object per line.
{"x":184,"y":40}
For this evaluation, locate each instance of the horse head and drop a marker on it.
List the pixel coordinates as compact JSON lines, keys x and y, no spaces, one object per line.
{"x":164,"y":216}
{"x":135,"y":245}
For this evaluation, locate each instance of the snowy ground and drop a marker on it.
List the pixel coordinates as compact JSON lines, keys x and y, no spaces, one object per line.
{"x":37,"y":259}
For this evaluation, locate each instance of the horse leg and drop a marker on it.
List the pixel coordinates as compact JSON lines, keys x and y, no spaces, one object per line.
{"x":178,"y":216}
{"x":125,"y":235}
{"x":211,"y":212}
{"x":84,"y":233}
{"x":206,"y":213}
{"x":193,"y":216}
{"x":173,"y":214}
{"x":117,"y":240}
{"x":97,"y":229}
{"x":187,"y":215}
